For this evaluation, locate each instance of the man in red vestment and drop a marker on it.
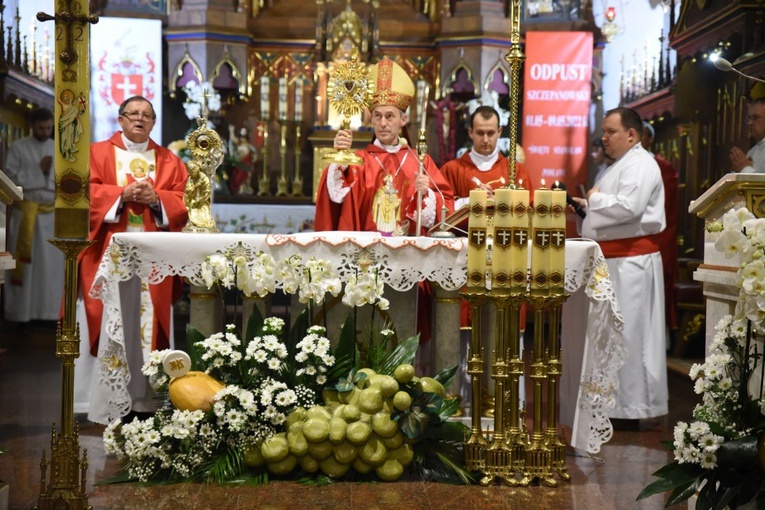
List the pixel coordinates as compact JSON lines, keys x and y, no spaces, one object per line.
{"x":135,"y":186}
{"x":380,"y":195}
{"x":483,"y":166}
{"x":668,"y":238}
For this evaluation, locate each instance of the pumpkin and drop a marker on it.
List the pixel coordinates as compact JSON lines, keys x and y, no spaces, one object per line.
{"x":195,"y":390}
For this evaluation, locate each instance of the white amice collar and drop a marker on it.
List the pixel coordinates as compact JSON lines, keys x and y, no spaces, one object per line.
{"x":392,"y":149}
{"x":484,"y":163}
{"x":133,"y":146}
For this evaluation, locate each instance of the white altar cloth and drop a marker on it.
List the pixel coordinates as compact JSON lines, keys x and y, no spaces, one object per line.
{"x":403,"y":262}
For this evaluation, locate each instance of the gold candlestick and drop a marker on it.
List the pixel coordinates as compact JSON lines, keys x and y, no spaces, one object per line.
{"x":68,"y":473}
{"x":264,"y":184}
{"x":282,"y":185}
{"x":297,"y":180}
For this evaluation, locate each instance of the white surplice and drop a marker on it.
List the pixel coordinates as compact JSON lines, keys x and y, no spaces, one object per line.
{"x":39,"y":296}
{"x":630,"y":204}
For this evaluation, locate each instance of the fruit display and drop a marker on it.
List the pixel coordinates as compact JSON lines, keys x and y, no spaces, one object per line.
{"x":354,"y":429}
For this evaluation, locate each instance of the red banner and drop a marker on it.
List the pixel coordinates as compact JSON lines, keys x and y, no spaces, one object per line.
{"x":556,"y":106}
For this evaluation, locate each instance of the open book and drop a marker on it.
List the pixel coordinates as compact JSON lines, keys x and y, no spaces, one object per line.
{"x":457,"y":222}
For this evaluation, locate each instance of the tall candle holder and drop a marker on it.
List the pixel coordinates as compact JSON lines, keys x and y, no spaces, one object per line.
{"x":512,"y":455}
{"x":264,"y":183}
{"x":282,"y":185}
{"x":297,"y":180}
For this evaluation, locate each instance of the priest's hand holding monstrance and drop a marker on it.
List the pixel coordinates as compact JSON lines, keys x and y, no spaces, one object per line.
{"x":348,"y":91}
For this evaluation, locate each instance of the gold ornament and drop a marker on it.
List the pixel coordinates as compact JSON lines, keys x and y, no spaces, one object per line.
{"x":348,"y":90}
{"x":206,"y":150}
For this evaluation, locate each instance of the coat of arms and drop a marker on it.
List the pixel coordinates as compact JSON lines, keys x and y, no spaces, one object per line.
{"x":118,"y":78}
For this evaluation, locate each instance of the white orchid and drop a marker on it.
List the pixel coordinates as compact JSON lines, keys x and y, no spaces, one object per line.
{"x":197,"y":95}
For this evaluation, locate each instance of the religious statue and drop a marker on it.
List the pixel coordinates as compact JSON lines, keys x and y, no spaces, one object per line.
{"x":386,"y":208}
{"x":242,"y":154}
{"x":207,"y":154}
{"x":448,"y":114}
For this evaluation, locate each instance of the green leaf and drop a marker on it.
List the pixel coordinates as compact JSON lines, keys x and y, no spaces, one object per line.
{"x":446,"y":375}
{"x":448,"y":408}
{"x":193,"y":335}
{"x":225,"y":465}
{"x":683,"y":492}
{"x":403,"y":353}
{"x":678,"y":476}
{"x":254,"y":325}
{"x":346,"y":352}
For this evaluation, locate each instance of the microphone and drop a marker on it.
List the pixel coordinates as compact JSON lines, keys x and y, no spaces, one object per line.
{"x":570,"y":201}
{"x":442,"y":224}
{"x":723,"y":65}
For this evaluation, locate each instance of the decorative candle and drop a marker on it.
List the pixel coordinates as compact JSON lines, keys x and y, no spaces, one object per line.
{"x":283,"y":98}
{"x":72,"y":155}
{"x":519,"y":250}
{"x":298,"y":101}
{"x":265,"y":104}
{"x":540,"y":232}
{"x":503,"y":236}
{"x":476,"y":252}
{"x":558,"y":239}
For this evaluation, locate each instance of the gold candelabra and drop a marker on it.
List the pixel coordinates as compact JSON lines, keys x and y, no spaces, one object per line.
{"x":511,"y":454}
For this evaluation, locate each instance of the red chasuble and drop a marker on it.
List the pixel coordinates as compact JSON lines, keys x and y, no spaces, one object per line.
{"x":169,"y":179}
{"x":461,"y":171}
{"x":355,"y":212}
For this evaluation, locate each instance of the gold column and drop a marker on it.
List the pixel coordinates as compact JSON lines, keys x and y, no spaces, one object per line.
{"x":72,"y":209}
{"x":514,"y":58}
{"x":475,"y":446}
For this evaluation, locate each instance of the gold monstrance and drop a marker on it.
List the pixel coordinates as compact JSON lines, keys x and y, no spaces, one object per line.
{"x":348,"y":91}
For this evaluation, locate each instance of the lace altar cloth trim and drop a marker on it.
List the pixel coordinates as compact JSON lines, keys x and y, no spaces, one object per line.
{"x":402,"y":262}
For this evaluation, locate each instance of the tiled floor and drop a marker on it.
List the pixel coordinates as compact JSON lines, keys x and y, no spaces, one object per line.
{"x":30,"y":403}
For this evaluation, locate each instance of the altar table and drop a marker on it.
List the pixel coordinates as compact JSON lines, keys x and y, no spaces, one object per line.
{"x":592,"y":344}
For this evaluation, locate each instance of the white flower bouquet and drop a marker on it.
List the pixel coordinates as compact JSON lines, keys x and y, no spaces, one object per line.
{"x":269,"y":402}
{"x":719,"y":455}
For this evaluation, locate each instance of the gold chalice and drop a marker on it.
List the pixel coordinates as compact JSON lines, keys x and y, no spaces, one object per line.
{"x":348,"y":91}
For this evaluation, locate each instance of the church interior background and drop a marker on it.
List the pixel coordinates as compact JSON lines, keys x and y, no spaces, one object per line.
{"x":269,"y":63}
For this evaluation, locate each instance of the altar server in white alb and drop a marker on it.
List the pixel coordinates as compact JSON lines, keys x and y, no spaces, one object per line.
{"x":625,"y":214}
{"x":34,"y":289}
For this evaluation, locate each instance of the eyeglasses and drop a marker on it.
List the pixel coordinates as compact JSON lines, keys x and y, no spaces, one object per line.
{"x":753,"y":118}
{"x":137,"y":115}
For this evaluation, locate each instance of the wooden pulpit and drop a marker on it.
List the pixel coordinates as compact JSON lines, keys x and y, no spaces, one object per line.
{"x":9,"y":193}
{"x":718,"y":273}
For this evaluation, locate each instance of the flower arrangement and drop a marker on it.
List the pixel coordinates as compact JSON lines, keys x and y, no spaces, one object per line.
{"x":717,"y":455}
{"x":285,"y":403}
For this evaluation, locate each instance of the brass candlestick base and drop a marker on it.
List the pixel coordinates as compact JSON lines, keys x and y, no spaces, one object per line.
{"x":282,"y":187}
{"x":264,"y":187}
{"x":297,"y":187}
